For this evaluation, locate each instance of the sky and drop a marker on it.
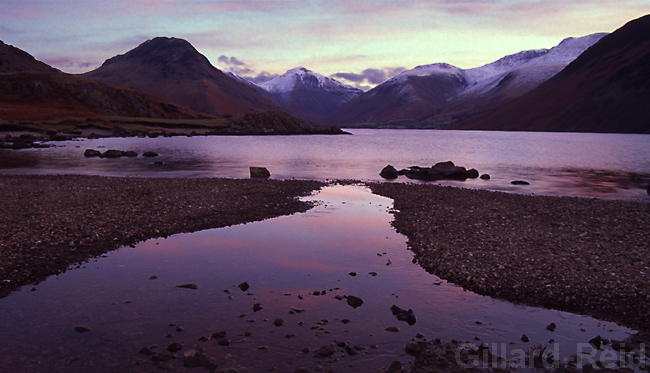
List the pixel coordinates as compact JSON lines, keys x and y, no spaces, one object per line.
{"x":360,"y":43}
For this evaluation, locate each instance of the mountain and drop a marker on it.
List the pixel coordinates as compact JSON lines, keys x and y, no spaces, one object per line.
{"x":605,"y":89}
{"x":33,"y":90}
{"x":307,"y":94}
{"x":438,"y":95}
{"x":173,"y":70}
{"x":35,"y":97}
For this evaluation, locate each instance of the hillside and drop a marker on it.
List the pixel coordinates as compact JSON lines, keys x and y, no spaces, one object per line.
{"x":172,"y":69}
{"x":606,"y":89}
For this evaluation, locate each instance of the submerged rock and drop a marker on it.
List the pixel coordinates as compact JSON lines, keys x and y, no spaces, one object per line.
{"x":92,"y":153}
{"x":354,"y":302}
{"x":519,"y":182}
{"x":404,"y":315}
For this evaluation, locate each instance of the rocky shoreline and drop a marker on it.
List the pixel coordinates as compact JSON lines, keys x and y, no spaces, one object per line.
{"x":580,"y":255}
{"x":48,"y":223}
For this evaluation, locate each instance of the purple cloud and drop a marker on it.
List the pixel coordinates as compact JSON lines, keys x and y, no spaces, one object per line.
{"x":370,"y":76}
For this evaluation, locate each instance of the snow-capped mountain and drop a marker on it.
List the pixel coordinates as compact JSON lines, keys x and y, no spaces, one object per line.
{"x":307,"y":94}
{"x":440,"y":94}
{"x":605,"y":89}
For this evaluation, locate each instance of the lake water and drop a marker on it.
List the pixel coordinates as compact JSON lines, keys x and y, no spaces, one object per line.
{"x":612,"y":166}
{"x":129,"y":297}
{"x":344,"y":246}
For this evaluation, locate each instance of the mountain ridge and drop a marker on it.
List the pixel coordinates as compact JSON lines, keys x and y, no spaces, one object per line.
{"x":605,"y":89}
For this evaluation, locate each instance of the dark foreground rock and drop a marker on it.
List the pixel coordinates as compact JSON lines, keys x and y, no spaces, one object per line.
{"x":50,"y":222}
{"x":440,"y":171}
{"x":581,"y":255}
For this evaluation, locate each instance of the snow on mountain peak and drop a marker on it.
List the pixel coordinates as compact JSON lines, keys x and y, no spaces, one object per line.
{"x":286,"y":82}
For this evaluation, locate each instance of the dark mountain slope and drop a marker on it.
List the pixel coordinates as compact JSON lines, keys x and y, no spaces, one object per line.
{"x":606,"y":89}
{"x":173,"y":70}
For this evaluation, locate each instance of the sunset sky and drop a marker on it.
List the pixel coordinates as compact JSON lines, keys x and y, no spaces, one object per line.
{"x":366,"y":41}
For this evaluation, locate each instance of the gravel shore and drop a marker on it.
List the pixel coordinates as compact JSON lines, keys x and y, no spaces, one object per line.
{"x":48,"y":223}
{"x":581,"y":255}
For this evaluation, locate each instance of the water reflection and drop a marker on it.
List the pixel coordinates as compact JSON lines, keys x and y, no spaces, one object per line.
{"x":299,"y":269}
{"x":575,"y":164}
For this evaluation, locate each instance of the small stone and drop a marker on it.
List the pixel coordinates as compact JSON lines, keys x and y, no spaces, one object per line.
{"x":413,"y":348}
{"x":278,"y":322}
{"x":149,"y":154}
{"x":354,"y":302}
{"x":485,"y":177}
{"x":263,"y":348}
{"x":224,"y":342}
{"x":81,"y":329}
{"x":153,"y":277}
{"x":524,"y":338}
{"x":392,"y":329}
{"x":145,"y":351}
{"x":551,"y":327}
{"x":519,"y":182}
{"x":352,"y":274}
{"x":257,"y":307}
{"x":175,"y":347}
{"x":243,"y":286}
{"x":92,"y":153}
{"x":395,"y":367}
{"x":326,"y":351}
{"x":188,"y":286}
{"x":195,"y":359}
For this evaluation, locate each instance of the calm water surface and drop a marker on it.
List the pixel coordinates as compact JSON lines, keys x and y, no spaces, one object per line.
{"x":285,"y":260}
{"x":614,"y":166}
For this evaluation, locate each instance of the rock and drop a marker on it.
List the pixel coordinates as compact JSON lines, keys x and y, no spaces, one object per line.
{"x":551,"y":327}
{"x":92,"y":153}
{"x":326,"y":351}
{"x":243,"y":286}
{"x":188,"y":286}
{"x":81,"y":329}
{"x":354,"y":302}
{"x":145,"y":351}
{"x":392,"y":329}
{"x":596,"y":342}
{"x":129,"y":153}
{"x":440,"y":171}
{"x":174,"y":347}
{"x":404,"y":315}
{"x":218,"y":335}
{"x":161,"y":356}
{"x":224,"y":342}
{"x":413,"y":348}
{"x":257,"y":307}
{"x":350,"y":350}
{"x":259,"y":172}
{"x":111,"y":153}
{"x":389,"y":172}
{"x":278,"y":322}
{"x":524,"y":338}
{"x":149,"y":154}
{"x":195,"y":359}
{"x":519,"y":182}
{"x":395,"y":367}
{"x":485,"y":177}
{"x":648,"y":190}
{"x":352,"y":274}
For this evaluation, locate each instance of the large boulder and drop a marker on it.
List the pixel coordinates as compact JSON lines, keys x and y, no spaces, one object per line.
{"x":111,"y":153}
{"x":389,"y":172}
{"x":259,"y":172}
{"x":440,"y":171}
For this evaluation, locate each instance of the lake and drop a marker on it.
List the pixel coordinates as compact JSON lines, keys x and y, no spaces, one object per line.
{"x":302,"y":269}
{"x":611,"y":166}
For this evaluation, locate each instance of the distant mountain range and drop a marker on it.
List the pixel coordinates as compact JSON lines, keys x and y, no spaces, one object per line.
{"x":438,"y":95}
{"x":598,"y":83}
{"x":605,"y":89}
